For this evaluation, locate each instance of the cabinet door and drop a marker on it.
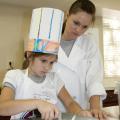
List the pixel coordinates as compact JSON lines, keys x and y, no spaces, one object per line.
{"x":111,"y":99}
{"x":4,"y":117}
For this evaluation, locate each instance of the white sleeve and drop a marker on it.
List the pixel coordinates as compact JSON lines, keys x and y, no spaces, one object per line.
{"x":95,"y":73}
{"x":59,"y":83}
{"x":11,"y":78}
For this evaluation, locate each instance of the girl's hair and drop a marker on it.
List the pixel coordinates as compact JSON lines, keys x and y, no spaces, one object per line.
{"x":31,"y":56}
{"x":81,"y":5}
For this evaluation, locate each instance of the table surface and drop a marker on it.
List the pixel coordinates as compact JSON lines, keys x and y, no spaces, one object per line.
{"x":114,"y":111}
{"x":68,"y":116}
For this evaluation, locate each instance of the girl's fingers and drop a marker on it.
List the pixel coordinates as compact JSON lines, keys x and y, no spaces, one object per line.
{"x":56,"y":113}
{"x":51,"y":115}
{"x":43,"y":115}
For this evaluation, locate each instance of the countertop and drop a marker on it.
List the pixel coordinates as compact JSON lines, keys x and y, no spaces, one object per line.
{"x":114,"y":111}
{"x":67,"y":116}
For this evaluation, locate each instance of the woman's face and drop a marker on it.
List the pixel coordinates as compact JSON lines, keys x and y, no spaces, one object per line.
{"x":42,"y":64}
{"x":77,"y":24}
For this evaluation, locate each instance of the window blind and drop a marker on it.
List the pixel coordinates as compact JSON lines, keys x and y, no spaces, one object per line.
{"x":111,"y":46}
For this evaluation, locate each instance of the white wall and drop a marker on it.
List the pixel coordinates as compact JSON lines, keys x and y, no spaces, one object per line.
{"x":12,"y":27}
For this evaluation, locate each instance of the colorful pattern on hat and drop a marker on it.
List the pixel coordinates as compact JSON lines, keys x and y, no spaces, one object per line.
{"x":45,"y":30}
{"x":38,"y":45}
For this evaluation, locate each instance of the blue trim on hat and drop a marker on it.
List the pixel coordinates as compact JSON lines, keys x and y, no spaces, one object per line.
{"x":51,"y":24}
{"x":60,"y":26}
{"x":44,"y":46}
{"x":36,"y":44}
{"x":40,"y":23}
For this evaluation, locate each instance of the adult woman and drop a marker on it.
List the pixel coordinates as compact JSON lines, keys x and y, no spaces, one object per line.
{"x":81,"y":55}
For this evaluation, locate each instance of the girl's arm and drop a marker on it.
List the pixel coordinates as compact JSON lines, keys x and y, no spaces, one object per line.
{"x":71,"y":105}
{"x":9,"y":106}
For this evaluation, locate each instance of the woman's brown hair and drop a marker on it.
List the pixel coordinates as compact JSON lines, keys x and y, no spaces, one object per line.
{"x":81,"y":5}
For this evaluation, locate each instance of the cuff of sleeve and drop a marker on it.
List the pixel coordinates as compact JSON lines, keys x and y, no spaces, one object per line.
{"x":60,"y":87}
{"x":96,"y":89}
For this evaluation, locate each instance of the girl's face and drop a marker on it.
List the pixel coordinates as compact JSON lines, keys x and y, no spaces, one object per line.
{"x":76,"y":25}
{"x":42,"y":64}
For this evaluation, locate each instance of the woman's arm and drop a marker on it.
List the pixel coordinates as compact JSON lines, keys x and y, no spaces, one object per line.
{"x":9,"y":106}
{"x":71,"y":105}
{"x":94,"y":77}
{"x":95,"y":102}
{"x":95,"y":108}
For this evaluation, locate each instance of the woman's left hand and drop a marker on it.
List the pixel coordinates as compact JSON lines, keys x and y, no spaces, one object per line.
{"x":99,"y":114}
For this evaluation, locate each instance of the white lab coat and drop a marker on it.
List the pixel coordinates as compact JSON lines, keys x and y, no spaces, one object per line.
{"x":85,"y":78}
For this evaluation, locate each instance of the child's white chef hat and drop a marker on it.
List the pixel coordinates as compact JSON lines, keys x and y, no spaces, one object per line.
{"x":45,"y":30}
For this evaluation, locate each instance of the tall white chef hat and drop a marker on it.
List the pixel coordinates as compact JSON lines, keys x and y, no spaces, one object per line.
{"x":45,"y":30}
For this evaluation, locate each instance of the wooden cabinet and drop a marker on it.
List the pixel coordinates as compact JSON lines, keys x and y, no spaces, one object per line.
{"x":4,"y":118}
{"x":111,"y":99}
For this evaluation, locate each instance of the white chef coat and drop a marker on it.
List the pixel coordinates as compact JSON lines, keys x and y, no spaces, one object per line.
{"x":87,"y":71}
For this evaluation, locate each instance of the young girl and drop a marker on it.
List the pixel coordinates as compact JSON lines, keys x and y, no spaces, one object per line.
{"x":38,"y":87}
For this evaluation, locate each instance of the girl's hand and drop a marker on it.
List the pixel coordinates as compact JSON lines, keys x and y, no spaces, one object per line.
{"x":99,"y":114}
{"x":48,"y":111}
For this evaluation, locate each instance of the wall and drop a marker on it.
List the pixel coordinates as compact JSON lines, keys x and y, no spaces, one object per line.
{"x":98,"y":24}
{"x":14,"y":27}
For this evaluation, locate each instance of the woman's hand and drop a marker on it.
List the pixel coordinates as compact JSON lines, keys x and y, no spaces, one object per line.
{"x":48,"y":111}
{"x":99,"y":114}
{"x":71,"y":105}
{"x":95,"y":108}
